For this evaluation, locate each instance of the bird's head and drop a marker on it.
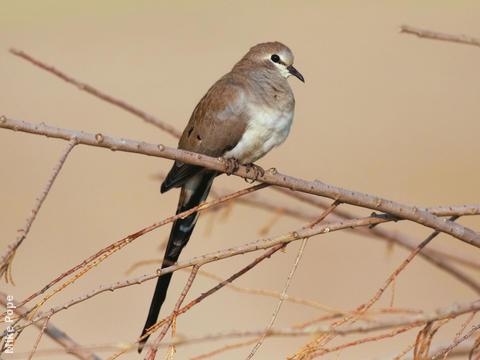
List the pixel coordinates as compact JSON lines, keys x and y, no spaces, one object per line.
{"x":274,"y":56}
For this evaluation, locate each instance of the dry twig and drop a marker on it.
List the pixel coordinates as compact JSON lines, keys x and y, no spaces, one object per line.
{"x":434,"y":35}
{"x":7,"y":258}
{"x":215,"y":256}
{"x":158,"y":340}
{"x":57,"y":335}
{"x":95,"y":92}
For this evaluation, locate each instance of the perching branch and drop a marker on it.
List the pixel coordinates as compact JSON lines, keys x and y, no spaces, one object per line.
{"x":413,"y":213}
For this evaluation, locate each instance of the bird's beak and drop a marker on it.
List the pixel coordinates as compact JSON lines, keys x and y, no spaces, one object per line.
{"x":295,"y":73}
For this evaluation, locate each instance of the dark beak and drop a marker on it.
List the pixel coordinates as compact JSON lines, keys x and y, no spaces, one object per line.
{"x":295,"y":73}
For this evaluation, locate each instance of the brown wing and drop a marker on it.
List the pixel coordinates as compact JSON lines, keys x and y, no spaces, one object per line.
{"x":215,"y":127}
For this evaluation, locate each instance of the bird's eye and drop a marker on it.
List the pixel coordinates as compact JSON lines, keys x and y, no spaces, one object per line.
{"x":275,"y":58}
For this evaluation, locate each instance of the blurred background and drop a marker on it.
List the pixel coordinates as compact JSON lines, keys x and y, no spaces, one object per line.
{"x":381,"y":112}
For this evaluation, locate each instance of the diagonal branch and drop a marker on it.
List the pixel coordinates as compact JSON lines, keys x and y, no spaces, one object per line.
{"x":6,"y":260}
{"x":413,"y":213}
{"x":273,"y":242}
{"x":57,"y":335}
{"x":95,"y":92}
{"x":107,"y":251}
{"x":158,"y":340}
{"x":319,"y":219}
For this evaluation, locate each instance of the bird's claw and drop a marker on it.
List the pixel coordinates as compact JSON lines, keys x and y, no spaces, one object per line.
{"x":231,"y":165}
{"x":258,"y":171}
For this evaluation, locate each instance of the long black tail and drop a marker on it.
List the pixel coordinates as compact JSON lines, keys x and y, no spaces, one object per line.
{"x":194,"y":191}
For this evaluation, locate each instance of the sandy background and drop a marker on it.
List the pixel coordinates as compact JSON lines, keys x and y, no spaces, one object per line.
{"x":381,"y":112}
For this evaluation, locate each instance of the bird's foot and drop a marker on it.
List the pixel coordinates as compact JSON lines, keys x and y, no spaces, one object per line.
{"x":258,"y":170}
{"x":231,"y":165}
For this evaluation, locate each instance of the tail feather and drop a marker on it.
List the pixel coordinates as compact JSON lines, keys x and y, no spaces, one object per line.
{"x":193,"y":192}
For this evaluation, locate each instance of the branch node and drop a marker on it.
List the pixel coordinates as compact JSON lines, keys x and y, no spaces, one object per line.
{"x":99,"y":137}
{"x":273,"y":171}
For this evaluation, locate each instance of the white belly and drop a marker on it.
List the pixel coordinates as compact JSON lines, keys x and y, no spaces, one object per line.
{"x":267,"y":128}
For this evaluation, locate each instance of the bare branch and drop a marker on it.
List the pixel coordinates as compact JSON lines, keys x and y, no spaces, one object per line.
{"x":282,"y":298}
{"x":397,"y":271}
{"x":158,"y":340}
{"x":7,"y":258}
{"x":345,"y":329}
{"x":107,"y":251}
{"x":215,"y":256}
{"x":37,"y":341}
{"x":95,"y":92}
{"x":413,"y":213}
{"x":57,"y":335}
{"x":290,"y":276}
{"x":428,"y":34}
{"x":432,"y":255}
{"x":472,"y":331}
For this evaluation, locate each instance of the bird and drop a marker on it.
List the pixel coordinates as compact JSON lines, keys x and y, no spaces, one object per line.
{"x":246,"y":113}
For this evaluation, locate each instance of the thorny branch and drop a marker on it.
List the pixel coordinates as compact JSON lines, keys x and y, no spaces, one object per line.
{"x":413,"y":213}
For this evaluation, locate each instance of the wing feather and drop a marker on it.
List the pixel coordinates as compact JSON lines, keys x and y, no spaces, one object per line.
{"x":215,"y":127}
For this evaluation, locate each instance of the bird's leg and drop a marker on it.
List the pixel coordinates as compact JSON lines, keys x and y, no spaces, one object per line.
{"x":231,"y":165}
{"x":258,"y":171}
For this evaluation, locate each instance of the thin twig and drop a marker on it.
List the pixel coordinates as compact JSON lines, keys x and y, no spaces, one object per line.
{"x":393,"y":276}
{"x":7,"y":258}
{"x":390,"y":334}
{"x":434,"y":256}
{"x":290,"y":277}
{"x":225,"y":348}
{"x":282,"y":298}
{"x":345,"y":329}
{"x":460,"y":331}
{"x":95,"y":92}
{"x":456,"y":342}
{"x":215,"y":256}
{"x":413,"y":213}
{"x":57,"y":335}
{"x":245,"y":290}
{"x":209,"y":292}
{"x":312,"y":346}
{"x":434,"y":35}
{"x":37,"y":341}
{"x":128,"y":239}
{"x":158,"y":340}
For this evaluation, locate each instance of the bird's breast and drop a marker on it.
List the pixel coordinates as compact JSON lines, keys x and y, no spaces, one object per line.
{"x":267,"y":127}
